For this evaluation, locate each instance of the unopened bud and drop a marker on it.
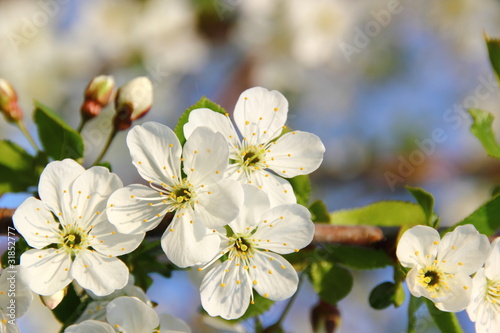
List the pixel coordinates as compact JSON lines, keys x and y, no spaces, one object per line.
{"x":97,"y":95}
{"x":133,"y":100}
{"x":8,"y":102}
{"x":53,"y":301}
{"x":325,"y":317}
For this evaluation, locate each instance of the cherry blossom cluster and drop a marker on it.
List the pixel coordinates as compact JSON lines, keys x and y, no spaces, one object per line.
{"x":440,"y":269}
{"x":234,"y":214}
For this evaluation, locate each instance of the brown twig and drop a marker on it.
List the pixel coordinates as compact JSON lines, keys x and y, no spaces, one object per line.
{"x":6,"y":220}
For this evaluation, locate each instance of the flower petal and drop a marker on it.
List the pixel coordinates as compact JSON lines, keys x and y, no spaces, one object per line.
{"x":492,"y":264}
{"x":156,"y":152}
{"x":90,"y":326}
{"x":274,"y":277}
{"x":277,"y":189}
{"x":216,"y":121}
{"x":90,"y":192}
{"x":255,"y":202}
{"x":187,"y":242}
{"x":464,"y":250}
{"x":129,"y":314}
{"x":295,"y":153}
{"x":99,"y":273}
{"x":135,"y":209}
{"x":206,"y":156}
{"x":23,"y":294}
{"x":226,"y":294}
{"x":285,"y":228}
{"x":266,"y":109}
{"x":109,"y":241}
{"x":51,"y":268}
{"x":458,"y":296}
{"x":416,"y":244}
{"x":478,"y":300}
{"x":171,"y":324}
{"x":54,"y":186}
{"x":219,"y":203}
{"x":36,"y":223}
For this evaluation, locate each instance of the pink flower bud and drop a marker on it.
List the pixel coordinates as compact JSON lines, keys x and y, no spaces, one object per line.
{"x":97,"y":95}
{"x":133,"y":100}
{"x":8,"y":102}
{"x":53,"y":301}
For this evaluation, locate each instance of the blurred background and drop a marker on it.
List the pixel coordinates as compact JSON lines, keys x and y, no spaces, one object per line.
{"x":384,"y":83}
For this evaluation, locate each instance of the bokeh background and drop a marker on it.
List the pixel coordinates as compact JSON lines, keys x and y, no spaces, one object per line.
{"x":384,"y":83}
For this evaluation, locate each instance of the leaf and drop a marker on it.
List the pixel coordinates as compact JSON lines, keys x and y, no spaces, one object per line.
{"x":18,"y":169}
{"x":426,"y":201}
{"x":357,"y":257}
{"x":383,"y":295}
{"x":302,"y":188}
{"x":493,"y":45}
{"x":331,"y":282}
{"x":415,"y":304}
{"x":382,"y":213}
{"x":319,"y":212}
{"x":447,"y":322}
{"x":201,"y":104}
{"x":482,"y":129}
{"x":486,"y":218}
{"x":59,"y":140}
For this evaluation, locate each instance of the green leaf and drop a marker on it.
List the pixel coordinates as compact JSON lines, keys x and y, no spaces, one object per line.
{"x":319,"y":212}
{"x":18,"y":169}
{"x":482,"y":129}
{"x":331,"y":282}
{"x":382,"y":213}
{"x":493,"y":45}
{"x":59,"y":140}
{"x":261,"y":305}
{"x":383,"y":295}
{"x":302,"y":188}
{"x":486,"y":218}
{"x":357,"y":257}
{"x":447,"y":322}
{"x":201,"y":104}
{"x":413,"y":306}
{"x":426,"y":201}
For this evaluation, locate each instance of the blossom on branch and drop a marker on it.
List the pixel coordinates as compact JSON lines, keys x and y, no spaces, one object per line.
{"x":252,"y":251}
{"x":70,"y":232}
{"x":262,"y":157}
{"x":202,"y":200}
{"x":440,"y":269}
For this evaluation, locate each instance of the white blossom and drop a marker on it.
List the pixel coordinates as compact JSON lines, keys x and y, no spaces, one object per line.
{"x":15,"y":297}
{"x":258,"y":158}
{"x":440,"y":269}
{"x":201,"y":200}
{"x":70,"y":232}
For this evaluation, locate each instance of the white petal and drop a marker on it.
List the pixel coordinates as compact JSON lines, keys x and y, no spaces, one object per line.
{"x":131,"y":315}
{"x":478,"y":299}
{"x":267,"y":109}
{"x":459,"y":294}
{"x":90,"y":326}
{"x":492,"y":264}
{"x":171,"y":324}
{"x":206,"y":156}
{"x":222,"y":295}
{"x":297,"y":153}
{"x":5,"y":326}
{"x":99,"y":273}
{"x":188,"y":244}
{"x":415,"y":288}
{"x":285,"y":228}
{"x":90,"y":192}
{"x":109,"y":241}
{"x":95,"y":310}
{"x":156,"y":152}
{"x":221,"y":206}
{"x":55,"y":183}
{"x":36,"y":223}
{"x":464,"y":250}
{"x":255,"y":202}
{"x":22,"y":296}
{"x":416,"y":244}
{"x":129,"y":206}
{"x":277,"y":189}
{"x":216,"y":121}
{"x":49,"y":268}
{"x":274,"y":277}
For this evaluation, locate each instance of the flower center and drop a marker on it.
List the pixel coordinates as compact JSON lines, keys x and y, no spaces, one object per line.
{"x":431,"y":278}
{"x":252,"y":158}
{"x":181,"y":195}
{"x":73,"y":240}
{"x":434,"y":280}
{"x":493,"y":292}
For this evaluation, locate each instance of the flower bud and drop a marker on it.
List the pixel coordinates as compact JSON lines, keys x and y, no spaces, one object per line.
{"x":325,"y":317}
{"x":97,"y":95}
{"x":8,"y":102}
{"x":53,"y":301}
{"x":133,"y":100}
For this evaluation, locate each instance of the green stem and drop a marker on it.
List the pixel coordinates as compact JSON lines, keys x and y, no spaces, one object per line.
{"x":82,"y":123}
{"x":27,"y":134}
{"x":106,"y":147}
